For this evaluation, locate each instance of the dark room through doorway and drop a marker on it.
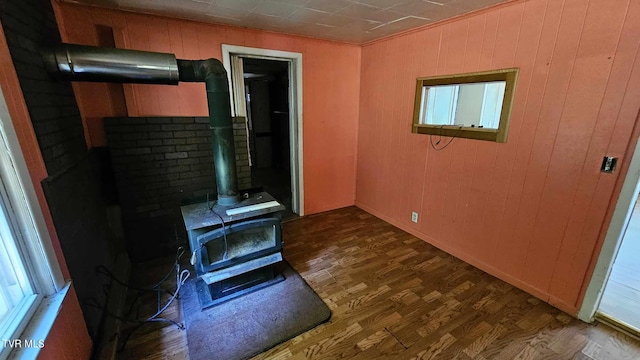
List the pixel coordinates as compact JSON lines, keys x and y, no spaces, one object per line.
{"x":267,"y":99}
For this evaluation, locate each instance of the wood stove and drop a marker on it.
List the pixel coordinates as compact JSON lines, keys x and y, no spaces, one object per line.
{"x":234,"y":248}
{"x":235,"y":241}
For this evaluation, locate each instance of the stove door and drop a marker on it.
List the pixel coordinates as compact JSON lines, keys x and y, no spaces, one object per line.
{"x":238,"y":243}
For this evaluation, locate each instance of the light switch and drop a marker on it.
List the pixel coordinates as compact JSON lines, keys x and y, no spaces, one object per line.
{"x":608,"y":164}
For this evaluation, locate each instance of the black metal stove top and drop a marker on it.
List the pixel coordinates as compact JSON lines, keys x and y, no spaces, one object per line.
{"x":198,"y":215}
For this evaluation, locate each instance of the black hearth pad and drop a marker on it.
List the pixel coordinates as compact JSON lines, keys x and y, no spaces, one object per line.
{"x":251,"y":324}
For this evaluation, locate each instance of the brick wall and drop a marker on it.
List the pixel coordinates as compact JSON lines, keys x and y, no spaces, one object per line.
{"x":74,"y":188}
{"x":29,"y":27}
{"x":161,"y":163}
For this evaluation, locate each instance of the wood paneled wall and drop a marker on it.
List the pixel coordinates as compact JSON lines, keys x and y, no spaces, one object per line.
{"x":331,"y":85}
{"x":532,"y":210}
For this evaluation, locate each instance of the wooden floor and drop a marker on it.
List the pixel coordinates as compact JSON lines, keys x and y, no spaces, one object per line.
{"x":621,"y":297}
{"x":395,"y":297}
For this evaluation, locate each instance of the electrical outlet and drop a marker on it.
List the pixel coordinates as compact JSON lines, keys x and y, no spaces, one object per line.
{"x":414,"y":217}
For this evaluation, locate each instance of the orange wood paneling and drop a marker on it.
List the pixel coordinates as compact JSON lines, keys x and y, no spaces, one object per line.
{"x":331,"y":87}
{"x":530,"y":211}
{"x":68,"y":338}
{"x":617,"y":106}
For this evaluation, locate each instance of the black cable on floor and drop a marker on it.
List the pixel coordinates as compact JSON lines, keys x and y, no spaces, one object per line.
{"x":181,"y":277}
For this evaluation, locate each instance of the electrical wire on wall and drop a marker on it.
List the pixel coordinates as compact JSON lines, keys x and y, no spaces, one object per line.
{"x":434,"y":146}
{"x":224,"y":229}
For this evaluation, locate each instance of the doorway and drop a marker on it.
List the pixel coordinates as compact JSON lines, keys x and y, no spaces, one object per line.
{"x":266,"y":85}
{"x":266,"y":89}
{"x":620,"y":301}
{"x":613,"y":294}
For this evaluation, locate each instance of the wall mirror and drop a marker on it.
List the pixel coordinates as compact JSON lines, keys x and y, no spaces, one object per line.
{"x":473,"y":105}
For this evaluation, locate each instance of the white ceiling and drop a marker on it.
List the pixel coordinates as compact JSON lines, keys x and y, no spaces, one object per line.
{"x":353,"y":21}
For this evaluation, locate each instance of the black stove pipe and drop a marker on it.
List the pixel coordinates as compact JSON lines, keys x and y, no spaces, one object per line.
{"x":90,"y":63}
{"x":213,"y":74}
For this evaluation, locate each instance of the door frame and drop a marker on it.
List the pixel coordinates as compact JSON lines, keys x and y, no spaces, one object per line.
{"x":294,"y":61}
{"x":613,"y":239}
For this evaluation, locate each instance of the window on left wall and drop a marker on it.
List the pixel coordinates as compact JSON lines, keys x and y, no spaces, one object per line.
{"x":31,"y":284}
{"x":16,"y":292}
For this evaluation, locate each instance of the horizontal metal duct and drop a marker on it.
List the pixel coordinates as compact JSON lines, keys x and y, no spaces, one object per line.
{"x":90,"y":63}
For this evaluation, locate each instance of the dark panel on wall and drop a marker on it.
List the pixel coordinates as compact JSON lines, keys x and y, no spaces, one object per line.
{"x":82,"y":225}
{"x":161,"y":163}
{"x":73,"y":190}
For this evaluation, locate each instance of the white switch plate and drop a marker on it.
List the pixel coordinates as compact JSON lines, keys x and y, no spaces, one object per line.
{"x":414,"y":217}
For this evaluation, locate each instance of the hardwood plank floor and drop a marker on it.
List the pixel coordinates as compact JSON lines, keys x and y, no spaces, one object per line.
{"x":393,"y":296}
